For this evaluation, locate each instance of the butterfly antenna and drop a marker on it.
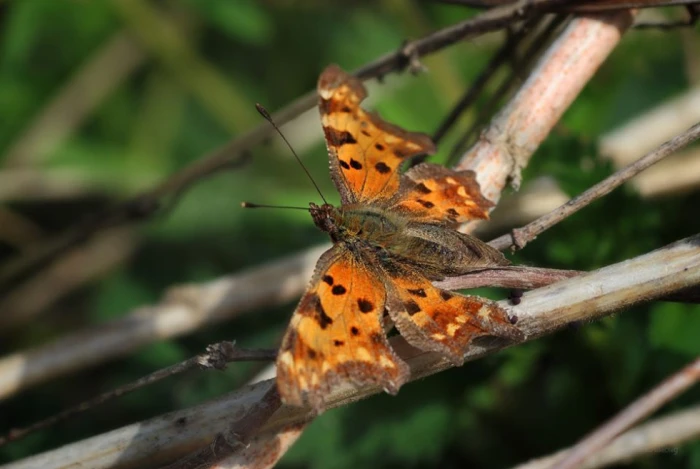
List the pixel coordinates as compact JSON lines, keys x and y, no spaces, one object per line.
{"x":252,"y":205}
{"x":263,"y":112}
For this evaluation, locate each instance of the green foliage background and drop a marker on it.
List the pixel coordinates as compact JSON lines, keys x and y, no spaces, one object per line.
{"x":196,"y":89}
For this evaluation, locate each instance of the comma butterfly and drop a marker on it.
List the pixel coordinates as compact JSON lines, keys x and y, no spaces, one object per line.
{"x":393,"y":234}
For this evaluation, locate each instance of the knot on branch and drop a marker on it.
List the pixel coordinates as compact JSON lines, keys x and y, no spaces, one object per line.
{"x":409,"y":57}
{"x":217,"y":355}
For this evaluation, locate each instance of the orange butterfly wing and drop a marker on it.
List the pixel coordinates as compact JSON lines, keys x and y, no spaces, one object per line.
{"x":433,"y":319}
{"x":365,"y":152}
{"x":336,"y":335}
{"x":433,"y":193}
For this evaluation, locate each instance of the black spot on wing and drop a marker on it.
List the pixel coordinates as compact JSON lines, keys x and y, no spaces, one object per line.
{"x":355,"y":164}
{"x":344,"y":164}
{"x":338,"y":290}
{"x":445,"y":295}
{"x":382,"y":168}
{"x":365,"y":306}
{"x":422,"y":188}
{"x":338,"y":138}
{"x":426,"y":203}
{"x":338,"y":343}
{"x":328,"y":279}
{"x":417,"y":292}
{"x":379,"y":146}
{"x":354,"y":331}
{"x":411,"y":307}
{"x":320,"y":314}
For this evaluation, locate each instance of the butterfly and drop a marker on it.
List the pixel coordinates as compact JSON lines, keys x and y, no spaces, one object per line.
{"x":393,"y":235}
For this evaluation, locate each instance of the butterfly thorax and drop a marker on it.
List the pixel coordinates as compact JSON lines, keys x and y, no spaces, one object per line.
{"x":358,"y":224}
{"x":382,"y":234}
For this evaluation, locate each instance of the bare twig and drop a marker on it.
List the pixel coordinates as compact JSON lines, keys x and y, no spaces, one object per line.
{"x":663,"y":434}
{"x":638,"y":410}
{"x":521,"y":236}
{"x":541,"y":312}
{"x":216,"y":356}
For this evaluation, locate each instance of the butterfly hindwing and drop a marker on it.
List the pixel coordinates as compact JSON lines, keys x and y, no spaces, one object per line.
{"x":438,"y":320}
{"x":433,"y":193}
{"x":365,"y":151}
{"x":336,"y":335}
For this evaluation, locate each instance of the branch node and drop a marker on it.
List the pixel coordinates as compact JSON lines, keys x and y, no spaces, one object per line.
{"x":519,"y":238}
{"x":216,"y":356}
{"x":410,"y":57}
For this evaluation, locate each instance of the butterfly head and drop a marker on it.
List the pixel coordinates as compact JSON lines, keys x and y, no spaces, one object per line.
{"x":327,"y":218}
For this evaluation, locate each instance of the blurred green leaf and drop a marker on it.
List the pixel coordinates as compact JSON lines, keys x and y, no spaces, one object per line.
{"x":674,"y":327}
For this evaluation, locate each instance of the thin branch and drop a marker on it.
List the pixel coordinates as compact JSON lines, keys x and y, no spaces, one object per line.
{"x":638,"y":410}
{"x":663,"y":434}
{"x":541,"y":312}
{"x":216,"y":357}
{"x":519,"y":237}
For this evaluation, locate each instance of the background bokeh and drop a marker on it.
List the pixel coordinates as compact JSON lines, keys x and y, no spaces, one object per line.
{"x":175,"y":79}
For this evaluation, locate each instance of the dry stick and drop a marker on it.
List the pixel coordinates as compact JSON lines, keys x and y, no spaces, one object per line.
{"x":641,"y":408}
{"x":233,"y":154}
{"x":541,"y":312}
{"x":659,"y":435}
{"x":217,"y":356}
{"x":519,"y":237}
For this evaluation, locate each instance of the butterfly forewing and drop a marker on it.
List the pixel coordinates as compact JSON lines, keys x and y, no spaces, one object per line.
{"x":365,"y":152}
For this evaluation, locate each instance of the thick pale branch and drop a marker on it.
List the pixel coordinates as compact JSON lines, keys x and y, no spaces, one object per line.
{"x":541,"y":312}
